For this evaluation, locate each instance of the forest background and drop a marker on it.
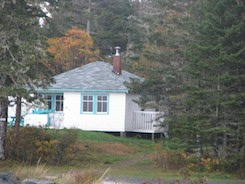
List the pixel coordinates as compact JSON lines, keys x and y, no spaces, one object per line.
{"x":191,"y":54}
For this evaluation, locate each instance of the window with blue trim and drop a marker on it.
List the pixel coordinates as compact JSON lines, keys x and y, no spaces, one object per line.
{"x":59,"y":102}
{"x":88,"y":104}
{"x":48,"y":100}
{"x":95,"y":104}
{"x":54,"y":102}
{"x":102,"y":104}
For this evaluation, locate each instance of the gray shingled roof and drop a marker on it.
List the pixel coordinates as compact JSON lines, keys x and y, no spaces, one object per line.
{"x":93,"y":76}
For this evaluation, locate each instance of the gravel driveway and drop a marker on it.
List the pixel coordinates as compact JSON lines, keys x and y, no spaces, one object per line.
{"x":145,"y":181}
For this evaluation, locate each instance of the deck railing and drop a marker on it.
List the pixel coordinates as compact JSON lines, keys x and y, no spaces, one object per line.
{"x":146,"y":121}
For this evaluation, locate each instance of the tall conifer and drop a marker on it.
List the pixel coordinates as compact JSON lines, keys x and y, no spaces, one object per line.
{"x":22,"y":63}
{"x":216,"y":66}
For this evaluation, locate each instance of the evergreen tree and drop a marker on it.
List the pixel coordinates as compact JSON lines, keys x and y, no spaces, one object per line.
{"x":216,"y":96}
{"x":112,"y":25}
{"x":162,"y":59}
{"x":22,"y":55}
{"x":67,"y":14}
{"x":105,"y":20}
{"x":139,"y":24}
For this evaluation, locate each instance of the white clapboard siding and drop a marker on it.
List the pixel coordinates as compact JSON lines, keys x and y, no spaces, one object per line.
{"x":131,"y":106}
{"x":113,"y":121}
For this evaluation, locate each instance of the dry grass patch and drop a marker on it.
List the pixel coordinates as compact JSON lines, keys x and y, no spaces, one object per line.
{"x":81,"y":176}
{"x":114,"y":148}
{"x":38,"y":172}
{"x":89,"y":176}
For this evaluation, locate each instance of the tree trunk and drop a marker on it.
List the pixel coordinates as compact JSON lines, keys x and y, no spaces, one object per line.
{"x":199,"y":146}
{"x":3,"y":127}
{"x":88,"y":18}
{"x":18,"y":117}
{"x":217,"y":123}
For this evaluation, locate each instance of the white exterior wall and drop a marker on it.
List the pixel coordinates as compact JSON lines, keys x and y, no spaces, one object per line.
{"x":114,"y":121}
{"x":71,"y":117}
{"x":26,"y":110}
{"x":37,"y":120}
{"x":131,"y":106}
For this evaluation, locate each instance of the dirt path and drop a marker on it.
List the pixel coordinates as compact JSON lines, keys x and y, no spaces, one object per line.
{"x":132,"y":161}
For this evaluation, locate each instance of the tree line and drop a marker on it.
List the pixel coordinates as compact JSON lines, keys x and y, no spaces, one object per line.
{"x":191,"y":54}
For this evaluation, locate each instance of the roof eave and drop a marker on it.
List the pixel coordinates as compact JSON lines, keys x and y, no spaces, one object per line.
{"x":59,"y":90}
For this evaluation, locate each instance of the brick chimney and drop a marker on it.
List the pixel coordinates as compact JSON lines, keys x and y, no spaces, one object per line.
{"x":117,"y":62}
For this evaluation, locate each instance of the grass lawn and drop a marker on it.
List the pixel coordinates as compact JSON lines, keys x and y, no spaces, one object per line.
{"x":118,"y":157}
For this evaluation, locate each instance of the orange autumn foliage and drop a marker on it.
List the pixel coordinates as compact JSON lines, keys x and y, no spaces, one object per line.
{"x":72,"y":50}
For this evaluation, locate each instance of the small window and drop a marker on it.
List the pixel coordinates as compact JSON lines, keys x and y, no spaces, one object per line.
{"x":59,"y":103}
{"x":48,"y":101}
{"x":87,"y":102}
{"x":102,"y":104}
{"x":53,"y":102}
{"x":95,"y":104}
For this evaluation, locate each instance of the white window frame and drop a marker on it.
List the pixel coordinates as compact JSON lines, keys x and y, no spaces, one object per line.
{"x":54,"y":104}
{"x":96,"y":102}
{"x":86,"y":104}
{"x":102,"y":104}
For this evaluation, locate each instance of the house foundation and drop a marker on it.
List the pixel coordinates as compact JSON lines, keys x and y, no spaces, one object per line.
{"x":122,"y":134}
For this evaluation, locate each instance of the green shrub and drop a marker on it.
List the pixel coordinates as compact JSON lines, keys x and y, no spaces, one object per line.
{"x":235,"y":163}
{"x":38,"y":145}
{"x":65,"y":148}
{"x":24,"y":149}
{"x":166,"y":159}
{"x":202,"y":164}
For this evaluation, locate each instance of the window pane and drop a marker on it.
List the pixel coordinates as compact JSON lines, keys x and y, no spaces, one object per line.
{"x":102,"y":103}
{"x":84,"y":106}
{"x":48,"y":101}
{"x":104,"y":107}
{"x":57,"y":108}
{"x":87,"y":103}
{"x":90,"y":106}
{"x":59,"y":103}
{"x":98,"y":107}
{"x":59,"y":97}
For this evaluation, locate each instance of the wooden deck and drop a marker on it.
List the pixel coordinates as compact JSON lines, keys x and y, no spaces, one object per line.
{"x":141,"y":122}
{"x":147,"y":122}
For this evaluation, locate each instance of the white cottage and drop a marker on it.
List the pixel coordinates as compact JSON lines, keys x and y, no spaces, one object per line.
{"x":93,"y":97}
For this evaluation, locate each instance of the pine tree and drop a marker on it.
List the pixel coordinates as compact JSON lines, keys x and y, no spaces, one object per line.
{"x":22,"y":55}
{"x":105,"y":20}
{"x":67,"y":14}
{"x":112,"y":25}
{"x":162,"y":59}
{"x":216,"y":96}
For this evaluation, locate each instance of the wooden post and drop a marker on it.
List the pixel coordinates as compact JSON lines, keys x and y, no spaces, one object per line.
{"x":122,"y":134}
{"x":161,"y":135}
{"x":153,"y":136}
